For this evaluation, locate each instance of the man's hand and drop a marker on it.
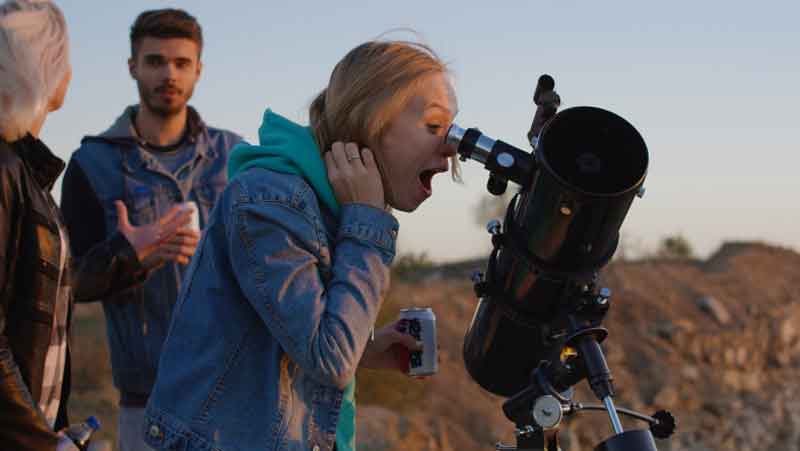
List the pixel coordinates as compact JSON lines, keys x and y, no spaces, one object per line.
{"x":179,"y":248}
{"x":390,"y":349}
{"x":166,"y":239}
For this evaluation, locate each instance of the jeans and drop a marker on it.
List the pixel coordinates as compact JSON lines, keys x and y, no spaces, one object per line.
{"x":131,"y":430}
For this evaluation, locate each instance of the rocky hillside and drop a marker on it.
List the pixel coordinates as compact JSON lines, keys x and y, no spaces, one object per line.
{"x":717,"y":342}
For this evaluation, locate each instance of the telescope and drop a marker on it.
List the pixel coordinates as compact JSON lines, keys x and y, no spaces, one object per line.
{"x":536,"y":331}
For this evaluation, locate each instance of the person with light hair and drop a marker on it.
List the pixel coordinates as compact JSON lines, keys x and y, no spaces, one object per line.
{"x":38,"y":278}
{"x":278,"y":304}
{"x":34,"y":66}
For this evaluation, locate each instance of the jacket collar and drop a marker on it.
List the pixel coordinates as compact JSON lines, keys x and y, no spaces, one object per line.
{"x":122,"y":131}
{"x":123,"y":128}
{"x":45,"y":166}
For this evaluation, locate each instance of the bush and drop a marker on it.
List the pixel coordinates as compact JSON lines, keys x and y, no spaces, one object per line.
{"x":676,"y":246}
{"x":411,"y":266}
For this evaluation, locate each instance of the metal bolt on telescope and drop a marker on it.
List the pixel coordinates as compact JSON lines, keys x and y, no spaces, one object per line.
{"x":537,"y":328}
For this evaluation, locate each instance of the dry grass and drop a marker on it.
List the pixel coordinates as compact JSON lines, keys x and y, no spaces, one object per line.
{"x":92,"y":390}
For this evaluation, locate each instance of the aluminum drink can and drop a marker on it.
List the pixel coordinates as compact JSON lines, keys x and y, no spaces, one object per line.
{"x":194,"y":219}
{"x":420,"y":323}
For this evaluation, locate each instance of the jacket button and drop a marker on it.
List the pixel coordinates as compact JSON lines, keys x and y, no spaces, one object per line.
{"x":155,"y":432}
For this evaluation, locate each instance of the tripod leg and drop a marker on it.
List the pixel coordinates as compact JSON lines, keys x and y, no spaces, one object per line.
{"x":612,"y":413}
{"x":539,"y":441}
{"x":552,"y":442}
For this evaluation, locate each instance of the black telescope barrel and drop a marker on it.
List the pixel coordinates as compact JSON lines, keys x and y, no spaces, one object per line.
{"x":564,"y":227}
{"x":592,"y":164}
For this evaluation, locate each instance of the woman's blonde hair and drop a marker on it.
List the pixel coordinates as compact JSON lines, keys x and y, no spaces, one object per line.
{"x":368,"y":88}
{"x":34,"y":59}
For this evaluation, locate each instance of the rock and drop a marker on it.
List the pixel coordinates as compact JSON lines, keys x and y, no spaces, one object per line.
{"x":690,"y":372}
{"x":686,"y":326}
{"x":714,"y":308}
{"x":750,"y":381}
{"x":732,"y":379}
{"x":695,"y":349}
{"x":780,"y":359}
{"x":731,"y":357}
{"x":787,"y":332}
{"x":668,"y":397}
{"x":742,"y":357}
{"x":669,"y":330}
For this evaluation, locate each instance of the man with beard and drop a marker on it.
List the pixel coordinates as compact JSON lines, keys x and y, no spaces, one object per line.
{"x":156,"y":157}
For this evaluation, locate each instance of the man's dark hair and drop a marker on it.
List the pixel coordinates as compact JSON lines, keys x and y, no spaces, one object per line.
{"x":165,"y":24}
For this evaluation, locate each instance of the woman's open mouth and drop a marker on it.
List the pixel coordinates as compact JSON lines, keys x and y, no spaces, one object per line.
{"x":426,"y":179}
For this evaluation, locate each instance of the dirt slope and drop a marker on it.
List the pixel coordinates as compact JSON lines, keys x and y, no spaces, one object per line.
{"x":717,"y":342}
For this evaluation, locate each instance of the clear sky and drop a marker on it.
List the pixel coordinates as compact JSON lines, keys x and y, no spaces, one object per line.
{"x":713,"y":87}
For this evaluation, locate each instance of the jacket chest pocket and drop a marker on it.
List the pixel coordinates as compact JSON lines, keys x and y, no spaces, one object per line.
{"x":207,"y":194}
{"x":43,"y":265}
{"x":141,"y":201}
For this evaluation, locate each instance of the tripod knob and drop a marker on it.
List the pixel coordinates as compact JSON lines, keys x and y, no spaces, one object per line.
{"x":547,"y":412}
{"x":494,"y":227}
{"x":665,"y":425}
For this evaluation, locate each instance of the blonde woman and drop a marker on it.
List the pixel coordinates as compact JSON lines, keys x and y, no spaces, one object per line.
{"x":38,"y":279}
{"x":277,"y":306}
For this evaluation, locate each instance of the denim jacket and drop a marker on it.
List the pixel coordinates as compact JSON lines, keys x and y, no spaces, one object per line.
{"x":117,"y":167}
{"x":273,"y":317}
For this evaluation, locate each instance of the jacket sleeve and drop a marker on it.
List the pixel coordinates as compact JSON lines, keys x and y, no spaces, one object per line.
{"x":100,"y":266}
{"x":322,"y":326}
{"x":22,"y":424}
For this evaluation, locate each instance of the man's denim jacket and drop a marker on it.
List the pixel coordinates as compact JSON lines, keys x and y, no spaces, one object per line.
{"x":119,"y":168}
{"x":273,"y":317}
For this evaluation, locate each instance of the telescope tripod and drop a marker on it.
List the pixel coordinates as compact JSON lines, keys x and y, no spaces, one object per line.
{"x":537,"y":411}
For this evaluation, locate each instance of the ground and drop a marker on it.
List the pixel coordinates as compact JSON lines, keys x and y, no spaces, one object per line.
{"x":716,"y":342}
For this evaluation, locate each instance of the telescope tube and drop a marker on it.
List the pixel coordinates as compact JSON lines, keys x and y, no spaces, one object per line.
{"x":564,"y":226}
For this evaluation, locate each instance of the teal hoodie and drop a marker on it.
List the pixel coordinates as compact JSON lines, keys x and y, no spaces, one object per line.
{"x":290,"y":148}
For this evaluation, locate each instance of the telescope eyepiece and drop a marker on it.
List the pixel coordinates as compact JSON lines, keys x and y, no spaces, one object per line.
{"x":455,"y":135}
{"x":470,"y":143}
{"x":504,"y":161}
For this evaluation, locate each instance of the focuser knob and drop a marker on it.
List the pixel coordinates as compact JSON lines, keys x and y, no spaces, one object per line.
{"x":496,"y":185}
{"x":477,"y":277}
{"x":494,"y":227}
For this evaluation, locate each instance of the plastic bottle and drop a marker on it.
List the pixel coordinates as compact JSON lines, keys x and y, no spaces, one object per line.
{"x":81,"y":433}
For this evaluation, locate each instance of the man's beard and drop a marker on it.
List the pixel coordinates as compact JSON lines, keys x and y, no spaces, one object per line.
{"x":150,"y":98}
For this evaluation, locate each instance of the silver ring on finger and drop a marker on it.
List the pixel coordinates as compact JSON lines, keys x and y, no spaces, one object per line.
{"x":353,"y":156}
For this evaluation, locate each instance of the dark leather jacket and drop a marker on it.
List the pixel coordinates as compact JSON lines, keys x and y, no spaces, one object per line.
{"x":30,"y":270}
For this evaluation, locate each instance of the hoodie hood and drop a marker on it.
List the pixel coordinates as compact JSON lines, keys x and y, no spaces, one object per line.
{"x":288,"y":148}
{"x":122,"y":128}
